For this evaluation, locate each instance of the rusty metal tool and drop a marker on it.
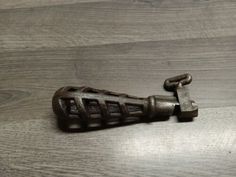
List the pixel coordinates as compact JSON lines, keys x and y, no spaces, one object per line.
{"x":84,"y":108}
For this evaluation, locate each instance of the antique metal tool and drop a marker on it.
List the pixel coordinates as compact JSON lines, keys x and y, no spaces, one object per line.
{"x":82,"y":108}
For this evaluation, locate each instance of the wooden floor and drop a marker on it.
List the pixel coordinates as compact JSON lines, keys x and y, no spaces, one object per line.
{"x":125,"y":46}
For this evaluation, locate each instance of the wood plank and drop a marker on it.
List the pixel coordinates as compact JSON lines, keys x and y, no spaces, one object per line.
{"x":125,"y":46}
{"x":13,"y":4}
{"x":136,"y":68}
{"x":98,"y":23}
{"x":205,"y":147}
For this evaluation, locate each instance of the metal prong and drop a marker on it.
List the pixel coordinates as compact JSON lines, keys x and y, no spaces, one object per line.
{"x":172,"y":83}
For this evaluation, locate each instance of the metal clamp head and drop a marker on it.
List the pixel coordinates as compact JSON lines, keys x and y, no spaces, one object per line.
{"x":188,"y":108}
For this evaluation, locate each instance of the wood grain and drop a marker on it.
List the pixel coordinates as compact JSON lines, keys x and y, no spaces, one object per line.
{"x":109,"y":22}
{"x":124,"y":46}
{"x":13,"y":4}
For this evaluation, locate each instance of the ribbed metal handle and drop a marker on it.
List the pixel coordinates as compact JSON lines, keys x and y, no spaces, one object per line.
{"x":93,"y":107}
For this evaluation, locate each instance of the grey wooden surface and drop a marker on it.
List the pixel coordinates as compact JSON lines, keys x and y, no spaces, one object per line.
{"x":125,"y":46}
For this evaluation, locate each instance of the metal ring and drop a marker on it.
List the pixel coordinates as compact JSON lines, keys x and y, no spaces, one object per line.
{"x":172,"y":83}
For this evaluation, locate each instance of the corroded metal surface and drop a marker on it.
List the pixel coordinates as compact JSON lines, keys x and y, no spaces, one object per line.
{"x":85,"y":108}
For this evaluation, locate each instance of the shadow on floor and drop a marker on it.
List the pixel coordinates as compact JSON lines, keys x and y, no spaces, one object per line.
{"x":75,"y":126}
